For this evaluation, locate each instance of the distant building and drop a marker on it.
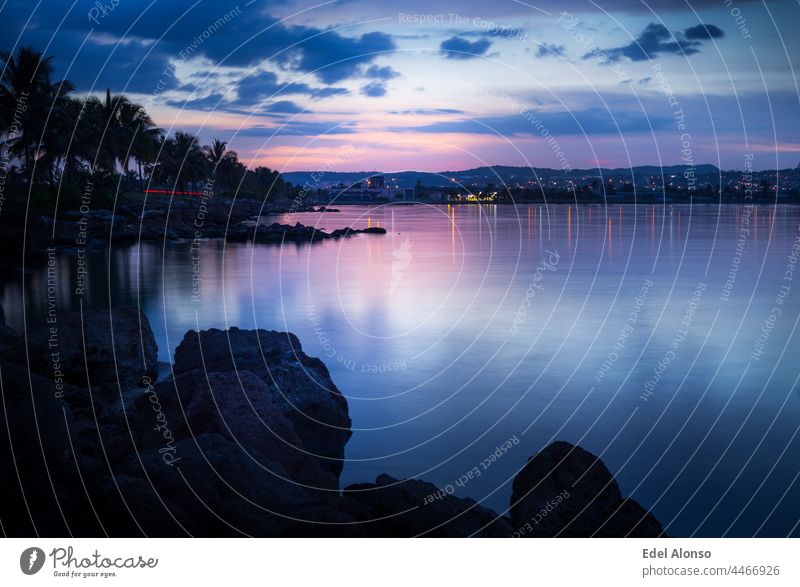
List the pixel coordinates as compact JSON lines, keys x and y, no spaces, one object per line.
{"x":372,"y":190}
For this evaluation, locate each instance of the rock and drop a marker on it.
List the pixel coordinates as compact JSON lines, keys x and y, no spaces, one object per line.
{"x":346,"y":232}
{"x":222,"y":492}
{"x":117,"y":344}
{"x":238,"y":406}
{"x":280,"y":233}
{"x":566,"y":491}
{"x":37,"y":462}
{"x":410,"y":508}
{"x":9,"y":341}
{"x":299,"y":386}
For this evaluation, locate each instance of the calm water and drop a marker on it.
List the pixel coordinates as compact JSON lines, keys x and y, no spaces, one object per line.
{"x":466,"y":326}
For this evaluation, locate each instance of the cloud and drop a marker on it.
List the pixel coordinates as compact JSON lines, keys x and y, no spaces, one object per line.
{"x":382,"y":73}
{"x":155,"y":34}
{"x":264,"y":85}
{"x":657,"y":40}
{"x":550,"y":50}
{"x":530,"y":123}
{"x":260,"y":90}
{"x":374,"y":89}
{"x":334,"y":58}
{"x":428,"y":111}
{"x":460,"y":48}
{"x":284,"y":107}
{"x":211,"y":103}
{"x":704,"y":32}
{"x":295,"y":128}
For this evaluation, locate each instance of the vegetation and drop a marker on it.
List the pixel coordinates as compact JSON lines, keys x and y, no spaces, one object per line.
{"x":52,"y":142}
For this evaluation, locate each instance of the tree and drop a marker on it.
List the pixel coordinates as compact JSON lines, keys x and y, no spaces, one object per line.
{"x":225,"y":166}
{"x":181,"y":161}
{"x":27,"y":97}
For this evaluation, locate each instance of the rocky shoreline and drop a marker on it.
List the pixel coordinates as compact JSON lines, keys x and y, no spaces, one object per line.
{"x":159,"y":220}
{"x":245,"y":437}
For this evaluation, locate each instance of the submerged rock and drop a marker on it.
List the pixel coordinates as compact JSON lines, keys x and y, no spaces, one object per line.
{"x":566,"y":491}
{"x":279,"y":233}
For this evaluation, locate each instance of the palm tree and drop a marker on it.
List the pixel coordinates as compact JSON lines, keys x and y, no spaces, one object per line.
{"x":145,"y":149}
{"x":227,"y":170}
{"x":135,"y":134}
{"x":217,"y":152}
{"x":27,"y":96}
{"x":181,"y":161}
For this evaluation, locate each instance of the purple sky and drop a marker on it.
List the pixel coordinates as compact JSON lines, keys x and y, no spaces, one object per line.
{"x":439,"y":85}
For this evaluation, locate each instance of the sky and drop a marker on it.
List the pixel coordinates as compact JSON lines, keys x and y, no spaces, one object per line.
{"x":440,"y":85}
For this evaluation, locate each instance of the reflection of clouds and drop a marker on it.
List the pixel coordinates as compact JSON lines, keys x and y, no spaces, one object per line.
{"x":543,"y":375}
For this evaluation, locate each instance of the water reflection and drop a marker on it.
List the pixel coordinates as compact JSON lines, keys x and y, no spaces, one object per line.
{"x":416,"y":329}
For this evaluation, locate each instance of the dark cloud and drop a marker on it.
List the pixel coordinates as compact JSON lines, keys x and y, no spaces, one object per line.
{"x":226,"y":32}
{"x":460,"y":48}
{"x":382,"y":73}
{"x":550,"y":50}
{"x":334,"y":58}
{"x":374,"y":89}
{"x":469,"y":9}
{"x":591,"y":121}
{"x":656,"y":40}
{"x":260,"y":90}
{"x":703,"y":32}
{"x":264,"y":85}
{"x":295,"y":128}
{"x":210,"y":103}
{"x":284,"y":107}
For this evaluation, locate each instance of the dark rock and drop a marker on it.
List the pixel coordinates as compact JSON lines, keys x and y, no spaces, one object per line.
{"x":232,"y":494}
{"x":9,"y":341}
{"x":346,"y":232}
{"x":566,"y":491}
{"x":41,"y":492}
{"x":238,"y":406}
{"x":299,"y":386}
{"x":117,"y":344}
{"x":280,"y":233}
{"x":410,"y":508}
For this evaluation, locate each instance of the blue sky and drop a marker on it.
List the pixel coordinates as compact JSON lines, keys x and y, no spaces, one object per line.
{"x":442,"y":85}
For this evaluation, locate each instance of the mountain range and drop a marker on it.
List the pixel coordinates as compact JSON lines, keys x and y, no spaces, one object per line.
{"x":482,"y":175}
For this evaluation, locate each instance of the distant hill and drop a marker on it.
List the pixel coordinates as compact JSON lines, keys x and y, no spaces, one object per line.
{"x":482,"y":175}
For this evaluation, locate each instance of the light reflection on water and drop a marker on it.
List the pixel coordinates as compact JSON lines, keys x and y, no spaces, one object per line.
{"x":467,"y":325}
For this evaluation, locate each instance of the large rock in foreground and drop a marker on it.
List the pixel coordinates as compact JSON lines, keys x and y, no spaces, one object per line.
{"x":567,"y":491}
{"x":299,"y":386}
{"x":410,"y":508}
{"x":117,"y":344}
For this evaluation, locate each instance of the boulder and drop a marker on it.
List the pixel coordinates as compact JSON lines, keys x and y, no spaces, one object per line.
{"x":238,"y":406}
{"x":411,"y":508}
{"x":222,"y":492}
{"x":41,"y":491}
{"x":118,"y":343}
{"x":9,"y":340}
{"x":566,"y":491}
{"x":299,"y":386}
